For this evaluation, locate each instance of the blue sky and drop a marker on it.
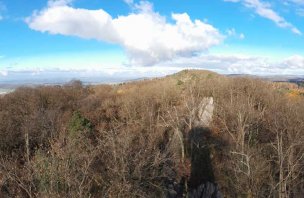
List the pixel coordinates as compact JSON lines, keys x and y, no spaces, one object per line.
{"x":151,"y":38}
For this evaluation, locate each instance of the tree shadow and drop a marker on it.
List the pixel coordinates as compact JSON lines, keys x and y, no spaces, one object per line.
{"x":199,"y":143}
{"x":201,"y":183}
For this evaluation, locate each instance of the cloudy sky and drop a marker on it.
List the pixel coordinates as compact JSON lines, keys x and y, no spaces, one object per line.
{"x":150,"y":38}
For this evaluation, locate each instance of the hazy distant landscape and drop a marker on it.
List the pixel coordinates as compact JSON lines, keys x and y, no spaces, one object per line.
{"x":9,"y":84}
{"x":16,"y":80}
{"x":4,"y":91}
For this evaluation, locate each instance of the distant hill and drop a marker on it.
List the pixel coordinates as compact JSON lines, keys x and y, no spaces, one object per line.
{"x":274,"y":78}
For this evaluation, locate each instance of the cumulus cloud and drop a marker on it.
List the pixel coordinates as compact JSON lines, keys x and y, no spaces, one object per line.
{"x":147,"y":37}
{"x":265,"y":10}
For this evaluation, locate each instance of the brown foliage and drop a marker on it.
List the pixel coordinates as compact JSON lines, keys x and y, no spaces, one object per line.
{"x":130,"y":140}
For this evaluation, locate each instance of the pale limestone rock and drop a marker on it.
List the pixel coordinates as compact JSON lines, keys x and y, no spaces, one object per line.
{"x":204,"y":112}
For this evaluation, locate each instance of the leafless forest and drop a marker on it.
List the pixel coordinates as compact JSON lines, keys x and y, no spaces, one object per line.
{"x":146,"y":139}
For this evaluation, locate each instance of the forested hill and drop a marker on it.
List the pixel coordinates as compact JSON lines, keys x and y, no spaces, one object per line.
{"x":148,"y":139}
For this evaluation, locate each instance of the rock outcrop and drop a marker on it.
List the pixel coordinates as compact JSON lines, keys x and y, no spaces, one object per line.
{"x":202,"y":115}
{"x":205,"y":190}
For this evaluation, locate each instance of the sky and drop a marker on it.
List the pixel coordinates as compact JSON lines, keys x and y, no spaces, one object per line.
{"x":133,"y":38}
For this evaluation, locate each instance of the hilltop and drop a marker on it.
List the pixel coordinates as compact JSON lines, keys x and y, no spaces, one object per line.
{"x":185,"y":134}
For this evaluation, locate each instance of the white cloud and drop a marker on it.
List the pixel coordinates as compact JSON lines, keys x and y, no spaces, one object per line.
{"x":3,"y":73}
{"x":242,"y":64}
{"x":232,"y":33}
{"x":265,"y":10}
{"x":242,"y":36}
{"x":88,"y":64}
{"x":147,"y":37}
{"x":294,"y":62}
{"x":221,"y":63}
{"x":89,"y":24}
{"x":129,"y":2}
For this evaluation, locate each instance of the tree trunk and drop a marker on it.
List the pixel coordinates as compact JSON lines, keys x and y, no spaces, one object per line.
{"x":27,"y":147}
